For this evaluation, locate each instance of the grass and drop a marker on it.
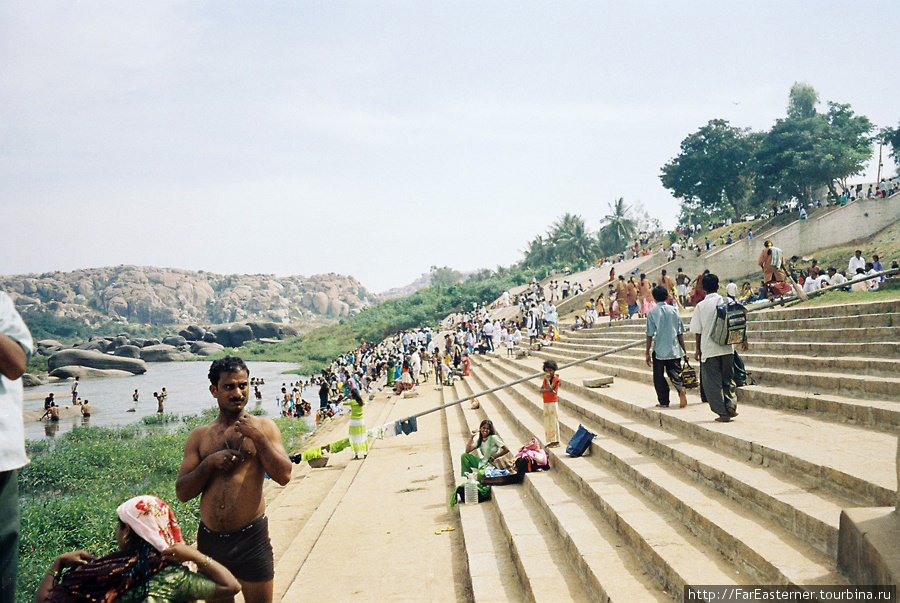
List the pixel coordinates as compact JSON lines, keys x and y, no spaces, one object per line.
{"x":70,"y":490}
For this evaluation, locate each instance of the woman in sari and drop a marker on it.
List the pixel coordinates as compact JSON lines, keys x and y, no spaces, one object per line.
{"x":484,"y":448}
{"x":147,"y":566}
{"x":359,"y":443}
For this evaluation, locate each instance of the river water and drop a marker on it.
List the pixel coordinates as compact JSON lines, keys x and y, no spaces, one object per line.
{"x":185,"y":382}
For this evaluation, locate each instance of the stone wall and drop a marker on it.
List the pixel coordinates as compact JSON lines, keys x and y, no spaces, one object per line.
{"x":836,"y":226}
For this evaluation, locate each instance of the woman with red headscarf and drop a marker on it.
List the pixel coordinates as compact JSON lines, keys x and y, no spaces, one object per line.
{"x":147,"y":566}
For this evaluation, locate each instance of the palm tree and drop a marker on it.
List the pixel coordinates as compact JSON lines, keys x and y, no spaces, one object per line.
{"x":618,"y":229}
{"x":573,"y":240}
{"x":538,"y":252}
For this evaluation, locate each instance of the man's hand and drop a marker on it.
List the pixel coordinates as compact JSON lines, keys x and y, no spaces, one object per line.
{"x":647,"y":358}
{"x":224,"y":460}
{"x":697,"y":355}
{"x":249,"y":426}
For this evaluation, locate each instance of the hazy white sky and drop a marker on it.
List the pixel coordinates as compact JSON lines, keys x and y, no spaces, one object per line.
{"x":380,"y":138}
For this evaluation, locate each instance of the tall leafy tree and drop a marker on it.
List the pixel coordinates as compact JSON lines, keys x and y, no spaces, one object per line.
{"x":713,"y":170}
{"x":802,"y":101}
{"x":618,"y":229}
{"x":808,"y":150}
{"x":891,"y":136}
{"x":539,"y":252}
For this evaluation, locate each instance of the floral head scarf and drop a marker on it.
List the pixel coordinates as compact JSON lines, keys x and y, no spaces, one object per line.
{"x":151,"y":519}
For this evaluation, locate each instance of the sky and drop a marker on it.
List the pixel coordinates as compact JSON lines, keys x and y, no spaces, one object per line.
{"x":378,"y":139}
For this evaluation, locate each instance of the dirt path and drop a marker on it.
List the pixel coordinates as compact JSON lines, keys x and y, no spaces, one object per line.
{"x":364,"y":530}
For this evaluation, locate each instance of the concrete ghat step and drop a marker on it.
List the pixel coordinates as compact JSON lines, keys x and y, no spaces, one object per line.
{"x":832,"y":335}
{"x":885,"y":350}
{"x":833,"y":310}
{"x":673,"y":555}
{"x":758,"y":548}
{"x":796,"y":505}
{"x":762,"y":321}
{"x":883,"y":415}
{"x":534,"y":558}
{"x":846,"y":384}
{"x":883,"y":334}
{"x":492,"y":570}
{"x":607,"y":567}
{"x":852,"y":462}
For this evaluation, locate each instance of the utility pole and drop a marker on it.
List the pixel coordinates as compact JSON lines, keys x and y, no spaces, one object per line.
{"x":880,"y":144}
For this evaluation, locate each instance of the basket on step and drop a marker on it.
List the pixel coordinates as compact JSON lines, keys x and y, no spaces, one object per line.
{"x":319,"y":462}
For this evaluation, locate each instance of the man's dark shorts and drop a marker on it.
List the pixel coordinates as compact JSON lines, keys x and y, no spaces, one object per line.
{"x":247,"y":553}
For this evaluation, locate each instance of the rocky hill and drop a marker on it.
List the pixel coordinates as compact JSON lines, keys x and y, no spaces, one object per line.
{"x":168,"y":296}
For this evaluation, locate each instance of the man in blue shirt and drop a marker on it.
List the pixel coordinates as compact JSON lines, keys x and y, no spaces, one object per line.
{"x":665,"y":348}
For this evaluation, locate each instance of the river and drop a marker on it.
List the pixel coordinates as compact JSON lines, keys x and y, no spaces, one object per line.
{"x":185,"y":382}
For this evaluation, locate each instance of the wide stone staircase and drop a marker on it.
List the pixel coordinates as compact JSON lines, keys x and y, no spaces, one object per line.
{"x":668,"y":498}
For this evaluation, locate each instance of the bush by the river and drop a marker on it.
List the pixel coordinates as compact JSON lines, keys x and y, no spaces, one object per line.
{"x":70,"y":490}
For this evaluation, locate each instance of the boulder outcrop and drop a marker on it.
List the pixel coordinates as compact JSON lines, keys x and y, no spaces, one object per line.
{"x":128,"y":351}
{"x":205,"y":348}
{"x":165,"y":296}
{"x":86,"y":372}
{"x":95,"y":359}
{"x":163,"y":353}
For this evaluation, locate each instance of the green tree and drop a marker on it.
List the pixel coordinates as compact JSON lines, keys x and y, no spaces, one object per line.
{"x":802,"y":101}
{"x":713,"y":169}
{"x":807,"y":150}
{"x":539,"y":252}
{"x":573,"y":241}
{"x":444,"y":277}
{"x":891,"y":136}
{"x":618,"y":228}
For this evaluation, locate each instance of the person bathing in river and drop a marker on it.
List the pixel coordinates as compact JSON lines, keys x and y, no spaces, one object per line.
{"x":147,"y":566}
{"x":225,"y":463}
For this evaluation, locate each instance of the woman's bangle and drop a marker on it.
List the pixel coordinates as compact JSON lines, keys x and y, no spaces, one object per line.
{"x":53,"y":573}
{"x":206,"y":561}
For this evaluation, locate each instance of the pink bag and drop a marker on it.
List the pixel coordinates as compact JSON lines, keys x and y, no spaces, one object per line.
{"x":533,"y":451}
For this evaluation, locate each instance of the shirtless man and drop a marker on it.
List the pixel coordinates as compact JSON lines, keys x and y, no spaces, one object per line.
{"x":225,"y":462}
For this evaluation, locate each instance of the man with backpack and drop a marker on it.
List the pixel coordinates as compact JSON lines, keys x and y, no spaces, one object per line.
{"x":716,"y":357}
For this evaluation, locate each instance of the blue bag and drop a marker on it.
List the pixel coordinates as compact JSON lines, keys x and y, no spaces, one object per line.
{"x":580,"y":441}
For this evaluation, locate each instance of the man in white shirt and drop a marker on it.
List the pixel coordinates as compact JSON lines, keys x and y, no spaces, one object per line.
{"x":731,"y":289}
{"x":716,"y":361}
{"x":811,"y":284}
{"x":857,"y":261}
{"x":488,"y":332}
{"x":16,"y":346}
{"x":835,"y":277}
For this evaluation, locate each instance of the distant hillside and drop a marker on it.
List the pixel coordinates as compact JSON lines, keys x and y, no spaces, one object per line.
{"x":167,"y":296}
{"x":423,"y":282}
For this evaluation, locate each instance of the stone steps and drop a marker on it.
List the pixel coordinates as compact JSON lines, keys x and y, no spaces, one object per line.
{"x":799,"y":507}
{"x":883,"y":415}
{"x":634,"y":329}
{"x":719,"y":530}
{"x":589,"y":545}
{"x":609,"y":339}
{"x":671,"y":554}
{"x":844,"y":384}
{"x":830,"y":454}
{"x":492,"y":570}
